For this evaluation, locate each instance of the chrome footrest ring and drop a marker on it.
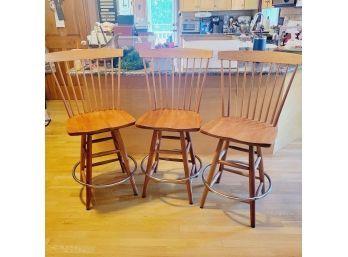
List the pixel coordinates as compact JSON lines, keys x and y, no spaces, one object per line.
{"x":175,"y":181}
{"x":234,"y":197}
{"x":104,"y":185}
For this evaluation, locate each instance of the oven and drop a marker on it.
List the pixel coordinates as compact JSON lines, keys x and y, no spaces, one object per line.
{"x":190,"y":26}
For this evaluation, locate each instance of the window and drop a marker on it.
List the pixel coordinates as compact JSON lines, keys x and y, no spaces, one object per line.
{"x":273,"y":14}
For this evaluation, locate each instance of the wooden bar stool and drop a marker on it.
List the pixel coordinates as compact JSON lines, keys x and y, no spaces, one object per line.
{"x":81,"y":77}
{"x":251,"y":105}
{"x":175,"y":81}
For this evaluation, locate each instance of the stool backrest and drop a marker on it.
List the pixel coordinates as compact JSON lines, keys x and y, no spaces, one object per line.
{"x":175,"y":77}
{"x":82,"y":77}
{"x":257,"y":88}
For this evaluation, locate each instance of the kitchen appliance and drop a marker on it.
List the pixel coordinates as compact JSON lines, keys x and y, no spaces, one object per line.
{"x":225,"y":27}
{"x":205,"y":26}
{"x":215,"y":20}
{"x":190,"y":26}
{"x":283,"y":3}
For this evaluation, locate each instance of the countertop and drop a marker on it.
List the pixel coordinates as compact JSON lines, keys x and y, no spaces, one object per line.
{"x":192,"y":37}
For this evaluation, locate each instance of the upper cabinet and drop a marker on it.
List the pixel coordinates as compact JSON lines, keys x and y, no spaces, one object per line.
{"x":190,"y":5}
{"x":222,"y":4}
{"x":238,"y":4}
{"x":206,"y":5}
{"x":218,"y":5}
{"x":251,"y":4}
{"x":267,"y":4}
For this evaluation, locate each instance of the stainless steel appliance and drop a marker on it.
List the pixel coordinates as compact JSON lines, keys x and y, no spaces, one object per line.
{"x":190,"y":26}
{"x":282,"y":3}
{"x":205,"y":26}
{"x":225,"y":26}
{"x":215,"y":20}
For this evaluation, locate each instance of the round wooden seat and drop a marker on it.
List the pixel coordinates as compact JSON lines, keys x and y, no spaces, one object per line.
{"x":98,"y":121}
{"x":241,"y":130}
{"x":170,"y":120}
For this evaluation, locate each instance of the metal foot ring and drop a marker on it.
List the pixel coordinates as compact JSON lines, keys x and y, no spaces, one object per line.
{"x":237,"y":197}
{"x":181,"y":180}
{"x":104,"y":185}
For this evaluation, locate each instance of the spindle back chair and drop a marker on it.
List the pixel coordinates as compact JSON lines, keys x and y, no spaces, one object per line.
{"x":258,"y":87}
{"x":90,"y":86}
{"x":76,"y":80}
{"x":252,"y":97}
{"x":175,"y":79}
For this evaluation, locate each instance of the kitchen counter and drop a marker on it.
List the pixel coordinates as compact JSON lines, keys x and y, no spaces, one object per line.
{"x":193,"y":37}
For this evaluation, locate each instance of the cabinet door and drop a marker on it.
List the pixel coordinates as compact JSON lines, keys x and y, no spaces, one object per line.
{"x":237,"y":4}
{"x":251,"y":4}
{"x":190,"y":5}
{"x":207,"y":5}
{"x":139,"y":10}
{"x":222,"y":5}
{"x":266,"y":3}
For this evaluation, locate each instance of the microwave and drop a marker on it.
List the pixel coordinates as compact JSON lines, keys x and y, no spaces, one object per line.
{"x":284,"y":3}
{"x":190,"y":26}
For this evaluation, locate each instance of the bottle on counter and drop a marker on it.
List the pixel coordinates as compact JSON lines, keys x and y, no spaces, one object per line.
{"x":267,"y":24}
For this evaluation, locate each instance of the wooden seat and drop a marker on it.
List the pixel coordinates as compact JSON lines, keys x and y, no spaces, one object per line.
{"x":99,"y":121}
{"x":251,"y":103}
{"x":93,"y":107}
{"x":170,"y":120}
{"x":241,"y":130}
{"x":174,"y":78}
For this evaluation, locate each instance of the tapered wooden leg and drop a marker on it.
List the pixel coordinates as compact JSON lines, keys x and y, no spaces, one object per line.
{"x":221,"y":166}
{"x":89,"y":172}
{"x":186,"y":166}
{"x":261,"y":170}
{"x":252,"y":185}
{"x":119,"y":156}
{"x":124,"y":159}
{"x":83,"y":158}
{"x":192,"y":155}
{"x":159,"y":136}
{"x":212,"y":171}
{"x":150,"y":161}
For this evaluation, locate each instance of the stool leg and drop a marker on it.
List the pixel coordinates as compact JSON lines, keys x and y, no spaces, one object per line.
{"x":252,"y":185}
{"x":158,"y":147}
{"x":192,"y":155}
{"x":261,"y":170}
{"x":186,"y":167}
{"x":221,"y":166}
{"x":212,"y":170}
{"x":89,"y":172}
{"x":83,"y":158}
{"x":119,"y":156}
{"x":150,"y":161}
{"x":124,"y":159}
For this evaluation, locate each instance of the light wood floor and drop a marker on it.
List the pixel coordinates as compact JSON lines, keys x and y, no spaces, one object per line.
{"x":164,"y":224}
